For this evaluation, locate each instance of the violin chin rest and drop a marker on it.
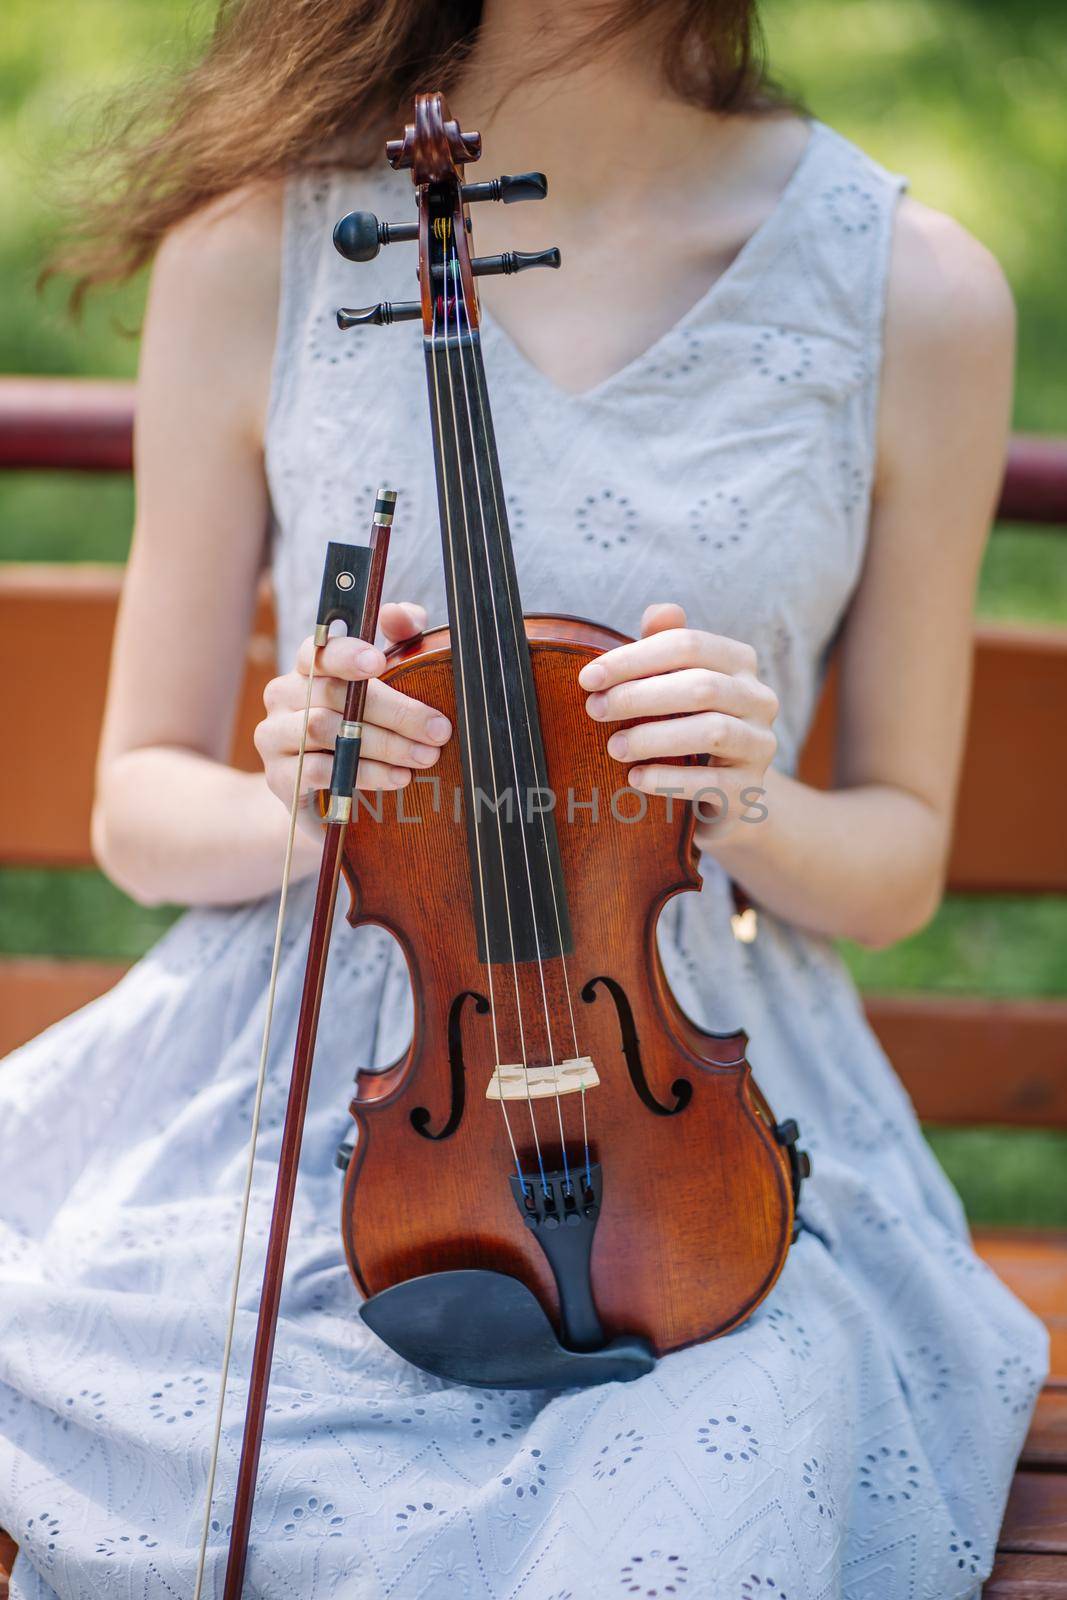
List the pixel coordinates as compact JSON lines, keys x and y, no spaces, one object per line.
{"x":487,"y":1329}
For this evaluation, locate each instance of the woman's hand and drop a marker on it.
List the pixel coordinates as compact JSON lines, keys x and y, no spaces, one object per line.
{"x":400,"y":735}
{"x":692,"y":694}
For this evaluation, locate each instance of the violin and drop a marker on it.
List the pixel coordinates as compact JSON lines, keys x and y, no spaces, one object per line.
{"x":564,"y":1177}
{"x":560,"y":1141}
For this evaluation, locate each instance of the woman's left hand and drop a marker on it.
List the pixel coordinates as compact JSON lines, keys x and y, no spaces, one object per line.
{"x":692,"y":694}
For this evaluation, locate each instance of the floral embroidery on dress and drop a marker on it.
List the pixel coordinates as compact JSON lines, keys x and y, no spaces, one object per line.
{"x":656,"y":1573}
{"x":853,"y":208}
{"x":732,"y":1440}
{"x":756,"y":1587}
{"x":782,"y":356}
{"x":1017,"y":1384}
{"x":617,"y":1453}
{"x":314,"y":1518}
{"x":889,"y":1475}
{"x":607,"y":519}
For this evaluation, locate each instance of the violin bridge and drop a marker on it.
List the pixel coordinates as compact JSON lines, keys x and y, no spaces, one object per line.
{"x":516,"y":1082}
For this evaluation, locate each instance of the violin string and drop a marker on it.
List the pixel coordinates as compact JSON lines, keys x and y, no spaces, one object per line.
{"x":451,"y":260}
{"x":515,"y":613}
{"x":510,"y":730}
{"x":460,"y":657}
{"x":257,"y":1108}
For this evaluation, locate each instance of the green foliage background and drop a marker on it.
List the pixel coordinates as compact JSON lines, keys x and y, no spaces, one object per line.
{"x":965,"y":96}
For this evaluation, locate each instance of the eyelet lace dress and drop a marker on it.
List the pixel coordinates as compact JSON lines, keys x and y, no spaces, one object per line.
{"x":857,"y":1436}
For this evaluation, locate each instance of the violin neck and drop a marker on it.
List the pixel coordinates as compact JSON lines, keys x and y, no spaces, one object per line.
{"x":516,"y":873}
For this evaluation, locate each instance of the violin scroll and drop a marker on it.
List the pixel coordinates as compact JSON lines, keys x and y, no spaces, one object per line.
{"x":433,"y":145}
{"x":436,"y":150}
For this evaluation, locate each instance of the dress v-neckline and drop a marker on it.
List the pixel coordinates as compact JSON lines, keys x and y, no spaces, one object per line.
{"x":704,"y":305}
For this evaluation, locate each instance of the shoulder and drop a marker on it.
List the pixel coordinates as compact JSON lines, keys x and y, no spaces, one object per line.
{"x":949,"y":340}
{"x":213,"y":299}
{"x":945,"y":289}
{"x":239,"y":230}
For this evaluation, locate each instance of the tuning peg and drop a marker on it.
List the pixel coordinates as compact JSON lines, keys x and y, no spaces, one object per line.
{"x":514,"y":261}
{"x":510,"y":261}
{"x":359,"y":236}
{"x":523,"y":186}
{"x":383,"y":314}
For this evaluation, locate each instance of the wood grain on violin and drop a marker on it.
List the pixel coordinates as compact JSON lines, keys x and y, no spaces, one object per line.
{"x":697,"y":1211}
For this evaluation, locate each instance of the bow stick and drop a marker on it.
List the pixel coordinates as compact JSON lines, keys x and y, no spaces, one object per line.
{"x":351,"y":594}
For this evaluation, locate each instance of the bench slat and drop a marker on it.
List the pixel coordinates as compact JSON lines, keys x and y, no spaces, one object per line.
{"x":50,"y":825}
{"x":963,"y":1058}
{"x":1008,"y":834}
{"x":1046,"y":1443}
{"x":1033,"y":1263}
{"x":1036,"y":1517}
{"x":1027,"y":1577}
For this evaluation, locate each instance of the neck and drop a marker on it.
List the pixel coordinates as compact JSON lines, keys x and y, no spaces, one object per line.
{"x":577,"y":113}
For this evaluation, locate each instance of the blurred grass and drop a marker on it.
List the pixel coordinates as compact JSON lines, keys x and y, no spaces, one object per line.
{"x":965,"y":96}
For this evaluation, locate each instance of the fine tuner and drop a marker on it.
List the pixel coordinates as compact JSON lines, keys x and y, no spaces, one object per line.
{"x":359,"y":236}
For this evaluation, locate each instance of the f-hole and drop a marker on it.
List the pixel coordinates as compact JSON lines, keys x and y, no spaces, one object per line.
{"x":420,"y":1116}
{"x":681,"y":1088}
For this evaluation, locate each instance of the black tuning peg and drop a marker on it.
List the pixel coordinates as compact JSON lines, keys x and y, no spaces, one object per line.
{"x":510,"y":261}
{"x":514,"y":261}
{"x":523,"y":186}
{"x":382,"y":315}
{"x":359,"y":236}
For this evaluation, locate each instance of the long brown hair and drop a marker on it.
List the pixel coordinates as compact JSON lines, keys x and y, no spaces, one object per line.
{"x":286,"y":84}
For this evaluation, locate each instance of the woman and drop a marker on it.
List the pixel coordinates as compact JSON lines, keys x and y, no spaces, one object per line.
{"x":769,"y":387}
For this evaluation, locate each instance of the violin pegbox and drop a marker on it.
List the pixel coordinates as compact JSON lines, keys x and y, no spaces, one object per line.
{"x":436,"y":151}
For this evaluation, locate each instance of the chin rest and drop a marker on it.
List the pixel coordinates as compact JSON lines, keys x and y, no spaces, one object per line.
{"x":487,"y":1329}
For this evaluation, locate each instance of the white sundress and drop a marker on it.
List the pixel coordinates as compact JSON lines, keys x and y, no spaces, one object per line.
{"x":857,"y":1436}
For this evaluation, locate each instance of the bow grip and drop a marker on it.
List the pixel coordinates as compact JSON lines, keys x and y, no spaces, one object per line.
{"x":345,"y":578}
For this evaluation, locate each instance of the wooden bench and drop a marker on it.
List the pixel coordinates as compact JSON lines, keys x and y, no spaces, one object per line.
{"x":964,"y":1060}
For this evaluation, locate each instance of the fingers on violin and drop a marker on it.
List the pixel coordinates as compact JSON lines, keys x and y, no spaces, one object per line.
{"x":691,"y":689}
{"x":401,"y":619}
{"x":729,"y":739}
{"x":671,"y":650}
{"x":388,"y":708}
{"x":341,"y":657}
{"x":395,"y":749}
{"x":379,"y":775}
{"x":715,"y":791}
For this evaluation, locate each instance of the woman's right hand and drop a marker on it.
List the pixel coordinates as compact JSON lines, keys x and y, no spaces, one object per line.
{"x":400,"y":735}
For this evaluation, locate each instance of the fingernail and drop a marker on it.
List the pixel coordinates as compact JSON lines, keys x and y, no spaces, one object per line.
{"x":592,"y":675}
{"x":618,"y":745}
{"x":400,"y":775}
{"x":368,"y":661}
{"x":636,"y":778}
{"x":595,"y":705}
{"x":424,"y":754}
{"x":439,"y":727}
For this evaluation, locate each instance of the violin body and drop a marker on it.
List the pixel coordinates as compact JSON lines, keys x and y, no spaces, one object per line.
{"x":696,"y":1215}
